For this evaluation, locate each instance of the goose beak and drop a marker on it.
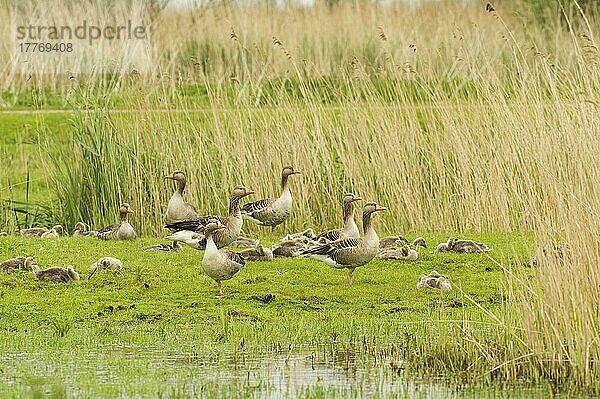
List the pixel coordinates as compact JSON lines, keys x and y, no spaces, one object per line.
{"x":380,"y":208}
{"x":129,"y":210}
{"x":248,"y":191}
{"x":296,"y":172}
{"x":356,"y":198}
{"x":170,"y":177}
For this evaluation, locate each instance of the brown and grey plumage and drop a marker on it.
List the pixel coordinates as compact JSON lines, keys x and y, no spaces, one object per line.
{"x":290,"y":245}
{"x":434,"y":281}
{"x":391,"y":241}
{"x":288,"y":249}
{"x":178,"y":210}
{"x":55,"y":274}
{"x":217,"y":263}
{"x":18,"y":263}
{"x":81,"y":230}
{"x":105,"y":263}
{"x":244,"y":242}
{"x":272,"y":212}
{"x":54,"y":232}
{"x":462,"y":246}
{"x":175,"y":246}
{"x":258,"y":254}
{"x":122,"y":230}
{"x":183,"y":231}
{"x":350,"y":229}
{"x":33,"y":231}
{"x":350,"y":253}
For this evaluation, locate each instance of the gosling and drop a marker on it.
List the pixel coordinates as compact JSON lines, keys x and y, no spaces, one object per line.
{"x":106,"y":263}
{"x":55,"y":274}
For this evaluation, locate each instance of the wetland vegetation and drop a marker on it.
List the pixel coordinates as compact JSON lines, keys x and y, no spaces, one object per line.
{"x":461,"y":119}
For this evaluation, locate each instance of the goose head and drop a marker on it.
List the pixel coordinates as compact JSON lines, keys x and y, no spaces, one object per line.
{"x":72,"y":273}
{"x":419,"y":242}
{"x":29,"y":263}
{"x":58,"y":229}
{"x":241,"y":191}
{"x":178,"y":176}
{"x":125,"y":209}
{"x":350,"y":198}
{"x":80,"y":226}
{"x":373,"y":207}
{"x":288,"y":171}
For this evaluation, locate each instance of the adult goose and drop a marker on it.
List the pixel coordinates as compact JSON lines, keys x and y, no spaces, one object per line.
{"x":219,"y":264}
{"x":178,"y":210}
{"x":186,"y":230}
{"x":350,"y":229}
{"x":350,"y":253}
{"x":119,"y":231}
{"x":272,"y":212}
{"x":55,"y":274}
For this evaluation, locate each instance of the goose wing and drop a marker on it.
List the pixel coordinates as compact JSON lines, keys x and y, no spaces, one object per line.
{"x":196,"y":225}
{"x":331,"y":235}
{"x":252,"y":208}
{"x":235,"y":257}
{"x":107,"y":232}
{"x":334,"y":247}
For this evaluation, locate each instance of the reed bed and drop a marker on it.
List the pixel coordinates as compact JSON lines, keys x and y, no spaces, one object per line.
{"x":456,"y":117}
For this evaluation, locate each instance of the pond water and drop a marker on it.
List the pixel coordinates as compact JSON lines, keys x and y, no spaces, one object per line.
{"x":144,"y":372}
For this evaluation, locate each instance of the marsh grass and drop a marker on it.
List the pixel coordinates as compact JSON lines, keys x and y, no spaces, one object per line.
{"x":481,"y":121}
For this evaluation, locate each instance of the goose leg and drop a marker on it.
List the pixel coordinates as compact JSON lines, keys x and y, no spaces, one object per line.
{"x":220,"y":294}
{"x":350,"y":276}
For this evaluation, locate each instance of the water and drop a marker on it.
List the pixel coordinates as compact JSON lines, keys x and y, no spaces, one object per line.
{"x":132,"y":372}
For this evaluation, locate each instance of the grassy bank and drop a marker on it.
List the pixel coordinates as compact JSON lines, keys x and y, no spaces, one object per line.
{"x":164,"y":303}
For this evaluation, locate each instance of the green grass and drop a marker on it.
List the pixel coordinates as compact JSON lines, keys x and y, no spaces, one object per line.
{"x":163,"y":304}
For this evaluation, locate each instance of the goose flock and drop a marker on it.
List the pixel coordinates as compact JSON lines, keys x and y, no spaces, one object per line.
{"x":341,"y":248}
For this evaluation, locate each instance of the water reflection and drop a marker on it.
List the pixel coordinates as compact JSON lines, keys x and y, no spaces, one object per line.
{"x":128,"y":371}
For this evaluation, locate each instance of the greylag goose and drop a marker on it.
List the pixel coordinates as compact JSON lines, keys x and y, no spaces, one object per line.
{"x":405,"y":252}
{"x":258,"y":254}
{"x":462,"y":246}
{"x":106,"y":263}
{"x":400,"y":253}
{"x":350,"y":253}
{"x":290,"y":245}
{"x":272,"y":212}
{"x":288,"y":249}
{"x":54,"y":232}
{"x":185,"y":230}
{"x":175,"y":246}
{"x":446,"y":246}
{"x":217,"y":263}
{"x":469,"y":246}
{"x":350,"y":229}
{"x":18,"y":263}
{"x":81,"y":230}
{"x":551,"y":252}
{"x":434,"y":281}
{"x":33,"y":231}
{"x":55,"y":274}
{"x":119,"y":231}
{"x":178,"y":210}
{"x":392,"y":241}
{"x":243,"y":242}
